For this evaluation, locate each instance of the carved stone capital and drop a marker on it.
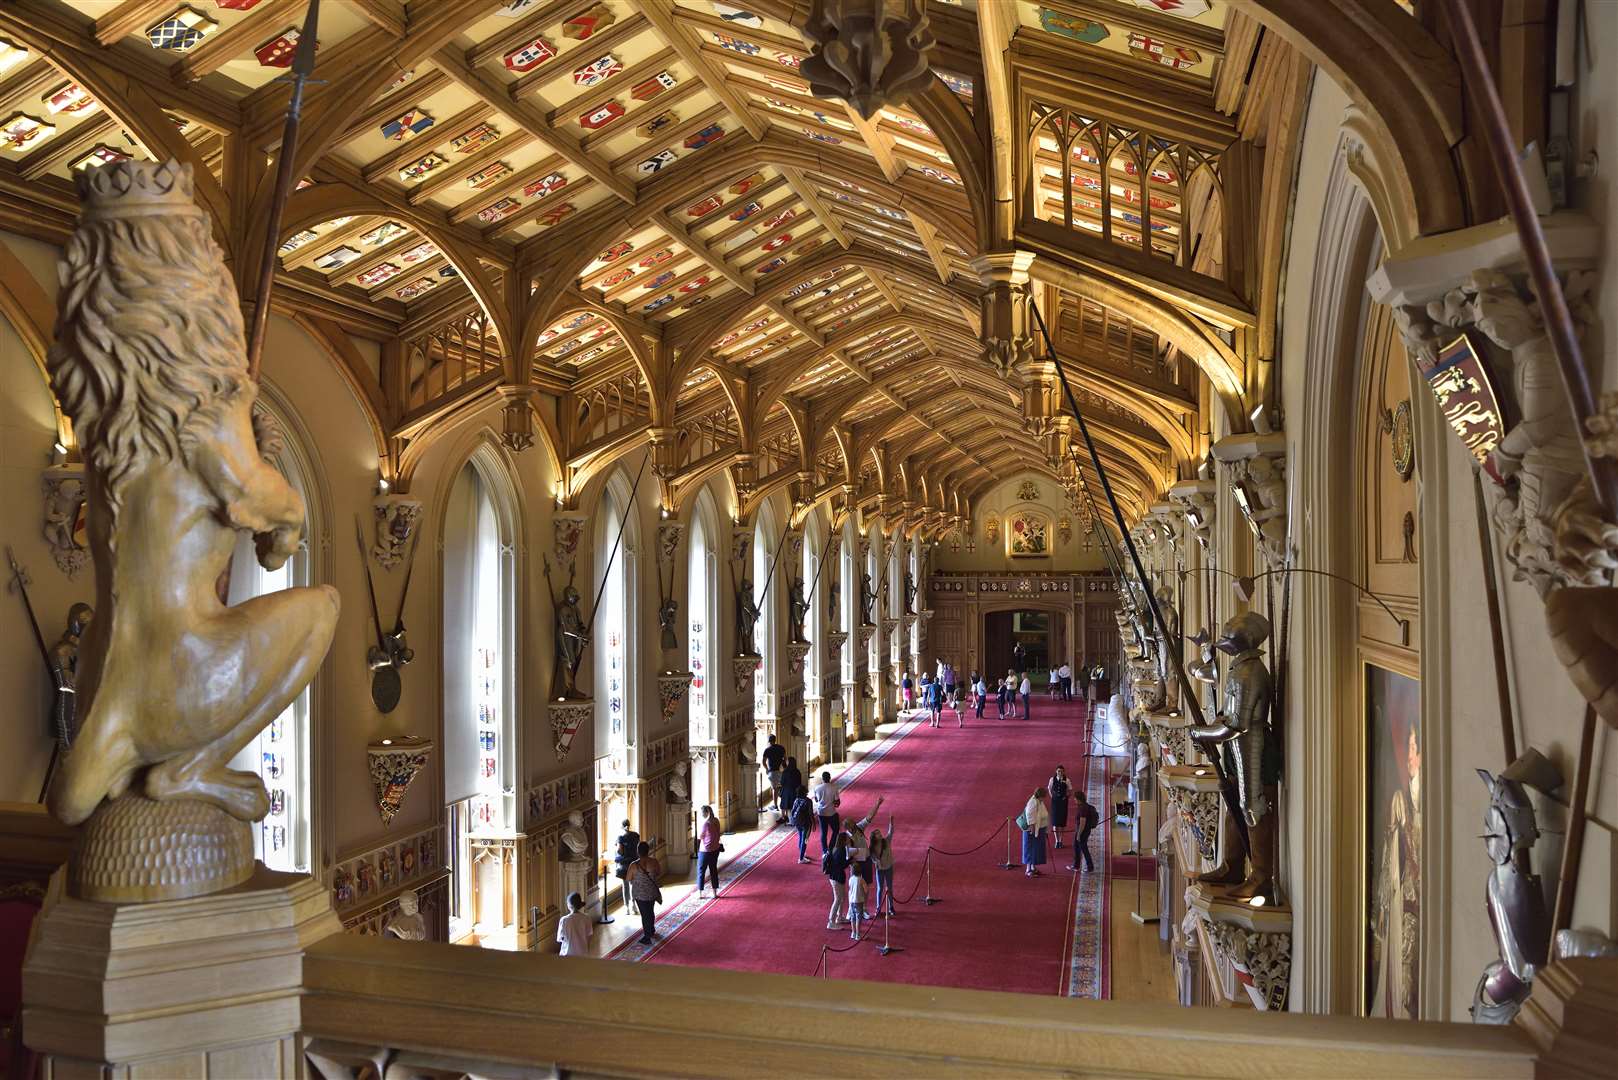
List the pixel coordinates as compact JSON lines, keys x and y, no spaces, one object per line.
{"x":1252,"y":946}
{"x":1256,"y":467}
{"x":517,"y":417}
{"x":566,"y":718}
{"x":796,"y":652}
{"x":1193,"y":791}
{"x":1195,"y":500}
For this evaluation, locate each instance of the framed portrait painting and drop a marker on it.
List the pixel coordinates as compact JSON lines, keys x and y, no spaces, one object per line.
{"x":1028,"y":536}
{"x":1393,"y":864}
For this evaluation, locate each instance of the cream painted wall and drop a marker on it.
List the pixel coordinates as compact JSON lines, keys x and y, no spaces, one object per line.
{"x":1464,"y":735}
{"x":1001,"y":500}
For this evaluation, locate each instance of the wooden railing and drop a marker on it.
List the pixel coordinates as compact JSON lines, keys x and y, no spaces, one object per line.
{"x":465,"y":1010}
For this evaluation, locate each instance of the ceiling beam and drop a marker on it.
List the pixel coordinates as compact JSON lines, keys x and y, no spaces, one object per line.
{"x":935,"y":249}
{"x":129,"y":17}
{"x":806,"y":191}
{"x":220,"y":48}
{"x":702,"y":251}
{"x":660,"y":13}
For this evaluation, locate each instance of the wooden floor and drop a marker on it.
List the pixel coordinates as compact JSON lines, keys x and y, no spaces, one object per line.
{"x":1141,"y":970}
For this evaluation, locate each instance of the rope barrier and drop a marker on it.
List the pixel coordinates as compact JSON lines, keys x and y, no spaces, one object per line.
{"x":980,"y":847}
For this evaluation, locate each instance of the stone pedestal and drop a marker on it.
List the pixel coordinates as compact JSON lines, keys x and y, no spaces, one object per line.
{"x":576,"y":878}
{"x":204,"y":987}
{"x":677,"y":832}
{"x":1248,"y":948}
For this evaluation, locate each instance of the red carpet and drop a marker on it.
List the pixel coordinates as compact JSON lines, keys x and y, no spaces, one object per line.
{"x":951,"y":789}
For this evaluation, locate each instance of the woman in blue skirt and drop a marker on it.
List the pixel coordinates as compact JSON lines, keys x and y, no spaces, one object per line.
{"x":1036,"y":820}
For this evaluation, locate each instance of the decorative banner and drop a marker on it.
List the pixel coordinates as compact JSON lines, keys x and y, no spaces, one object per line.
{"x":23,"y":132}
{"x":1142,"y":47}
{"x":613,"y":280}
{"x":181,"y":30}
{"x":1460,"y":381}
{"x":388,"y":230}
{"x":556,"y":214}
{"x":746,"y":184}
{"x":657,"y":123}
{"x":601,"y":116}
{"x":72,"y":99}
{"x":406,"y":125}
{"x":660,"y":280}
{"x":487,"y":175}
{"x":725,"y":41}
{"x":530,"y":56}
{"x":662,"y":255}
{"x":336,"y":257}
{"x":419,"y":168}
{"x":645,"y":91}
{"x":745,"y":212}
{"x":102,"y":154}
{"x":656,"y":162}
{"x":475,"y":138}
{"x":395,"y":764}
{"x":277,"y":52}
{"x":597,"y":71}
{"x":416,"y":288}
{"x":1068,"y":26}
{"x":710,"y":134}
{"x":737,"y":16}
{"x":771,"y":245}
{"x":586,"y":23}
{"x":293,"y":242}
{"x":705,"y":207}
{"x":694,"y":284}
{"x":545,"y":185}
{"x":376,"y":275}
{"x":618,"y":250}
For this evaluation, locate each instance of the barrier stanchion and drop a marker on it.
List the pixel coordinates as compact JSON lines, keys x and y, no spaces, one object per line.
{"x":1008,"y":864}
{"x":929,"y":899}
{"x":887,"y":946}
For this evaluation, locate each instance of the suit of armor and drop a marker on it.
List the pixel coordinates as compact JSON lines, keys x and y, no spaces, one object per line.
{"x":1241,"y":730}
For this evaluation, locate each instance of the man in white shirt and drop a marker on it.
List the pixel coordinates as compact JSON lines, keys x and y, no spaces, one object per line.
{"x":826,"y":801}
{"x":1026,"y":690}
{"x":573,"y":930}
{"x":1067,"y":682}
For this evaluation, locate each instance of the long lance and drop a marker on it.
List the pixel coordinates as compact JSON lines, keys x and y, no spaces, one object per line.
{"x":820,"y":564}
{"x":303,"y":65}
{"x":19,"y":585}
{"x":370,"y":586}
{"x":629,"y":508}
{"x":1226,"y":788}
{"x":780,"y":546}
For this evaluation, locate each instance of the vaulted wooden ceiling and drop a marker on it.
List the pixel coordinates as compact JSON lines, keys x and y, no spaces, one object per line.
{"x":639,"y":206}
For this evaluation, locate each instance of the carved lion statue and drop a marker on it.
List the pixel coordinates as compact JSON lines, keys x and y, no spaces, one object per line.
{"x":149,"y":362}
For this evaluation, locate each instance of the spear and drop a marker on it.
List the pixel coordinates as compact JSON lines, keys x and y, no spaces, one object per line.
{"x":303,"y":65}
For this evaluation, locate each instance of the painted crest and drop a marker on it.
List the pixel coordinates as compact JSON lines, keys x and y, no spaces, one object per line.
{"x":278,"y":51}
{"x":475,"y":138}
{"x":694,"y":284}
{"x":704,"y":207}
{"x":617,"y":251}
{"x":777,"y":221}
{"x":336,"y":257}
{"x":960,"y":84}
{"x":379,"y":273}
{"x":421,"y":167}
{"x":1068,"y":26}
{"x":778,"y":242}
{"x":710,"y":134}
{"x":745,"y":212}
{"x":416,"y":288}
{"x":295,"y":241}
{"x":1185,"y":9}
{"x":820,"y":136}
{"x":407,"y":125}
{"x":515,"y":8}
{"x":23,"y":132}
{"x":72,"y":99}
{"x":725,"y":41}
{"x":772,"y":266}
{"x":786,"y":59}
{"x":601,"y":116}
{"x":657,"y":123}
{"x":497,"y":210}
{"x":656,"y":258}
{"x":545,"y":185}
{"x":419,"y":253}
{"x":11,"y":54}
{"x":388,"y":230}
{"x":529,"y":56}
{"x":487,"y":175}
{"x":737,"y":16}
{"x":656,"y":162}
{"x":586,"y":23}
{"x":660,"y":280}
{"x":615,"y":279}
{"x":660,"y":302}
{"x":650,"y":88}
{"x":746,"y":184}
{"x":597,"y":71}
{"x":1153,"y":50}
{"x":236,"y":5}
{"x":556,"y":214}
{"x":102,"y":154}
{"x":182,"y":30}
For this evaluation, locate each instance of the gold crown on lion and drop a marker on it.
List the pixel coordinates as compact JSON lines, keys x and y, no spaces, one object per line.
{"x":129,"y":188}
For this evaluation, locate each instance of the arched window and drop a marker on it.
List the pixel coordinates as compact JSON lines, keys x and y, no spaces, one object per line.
{"x":764,"y":630}
{"x":281,"y":754}
{"x":479,"y":686}
{"x":699,"y":627}
{"x":811,"y":620}
{"x":614,"y":630}
{"x":848,"y":609}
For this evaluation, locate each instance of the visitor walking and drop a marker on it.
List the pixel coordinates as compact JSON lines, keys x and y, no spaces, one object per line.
{"x":1066,"y":675}
{"x":908,"y":686}
{"x":708,"y":849}
{"x":1034,"y":821}
{"x":834,"y":864}
{"x":980,"y":695}
{"x":573,"y":930}
{"x":791,"y":785}
{"x":882,"y":862}
{"x":643,"y":875}
{"x":1026,"y":689}
{"x":1060,"y":790}
{"x":1085,"y":821}
{"x":802,"y":817}
{"x":774,"y":760}
{"x":935,"y":702}
{"x":1054,"y":687}
{"x":628,"y":842}
{"x":949,"y":680}
{"x":826,"y":800}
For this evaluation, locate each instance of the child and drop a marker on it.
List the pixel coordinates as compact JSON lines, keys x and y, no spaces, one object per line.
{"x":574,"y":929}
{"x":802,"y":817}
{"x":856,"y":898}
{"x":909,"y":692}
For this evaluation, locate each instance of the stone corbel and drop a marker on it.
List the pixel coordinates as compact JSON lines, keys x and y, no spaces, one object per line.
{"x":567,"y":717}
{"x":567,"y":527}
{"x":517,"y":417}
{"x":796,"y":652}
{"x":671,"y":690}
{"x":394,"y":764}
{"x":1256,"y":466}
{"x":1193,"y":791}
{"x":1007,"y":341}
{"x":395,"y":517}
{"x":1195,"y":499}
{"x":741,"y":674}
{"x":744,"y":470}
{"x":1251,"y":946}
{"x":64,"y":517}
{"x":866,"y":633}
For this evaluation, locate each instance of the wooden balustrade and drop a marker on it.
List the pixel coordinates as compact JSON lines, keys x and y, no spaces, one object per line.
{"x":438,"y":1007}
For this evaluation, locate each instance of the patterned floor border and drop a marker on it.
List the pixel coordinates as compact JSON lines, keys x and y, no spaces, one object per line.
{"x":673,"y":919}
{"x":1088,"y":973}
